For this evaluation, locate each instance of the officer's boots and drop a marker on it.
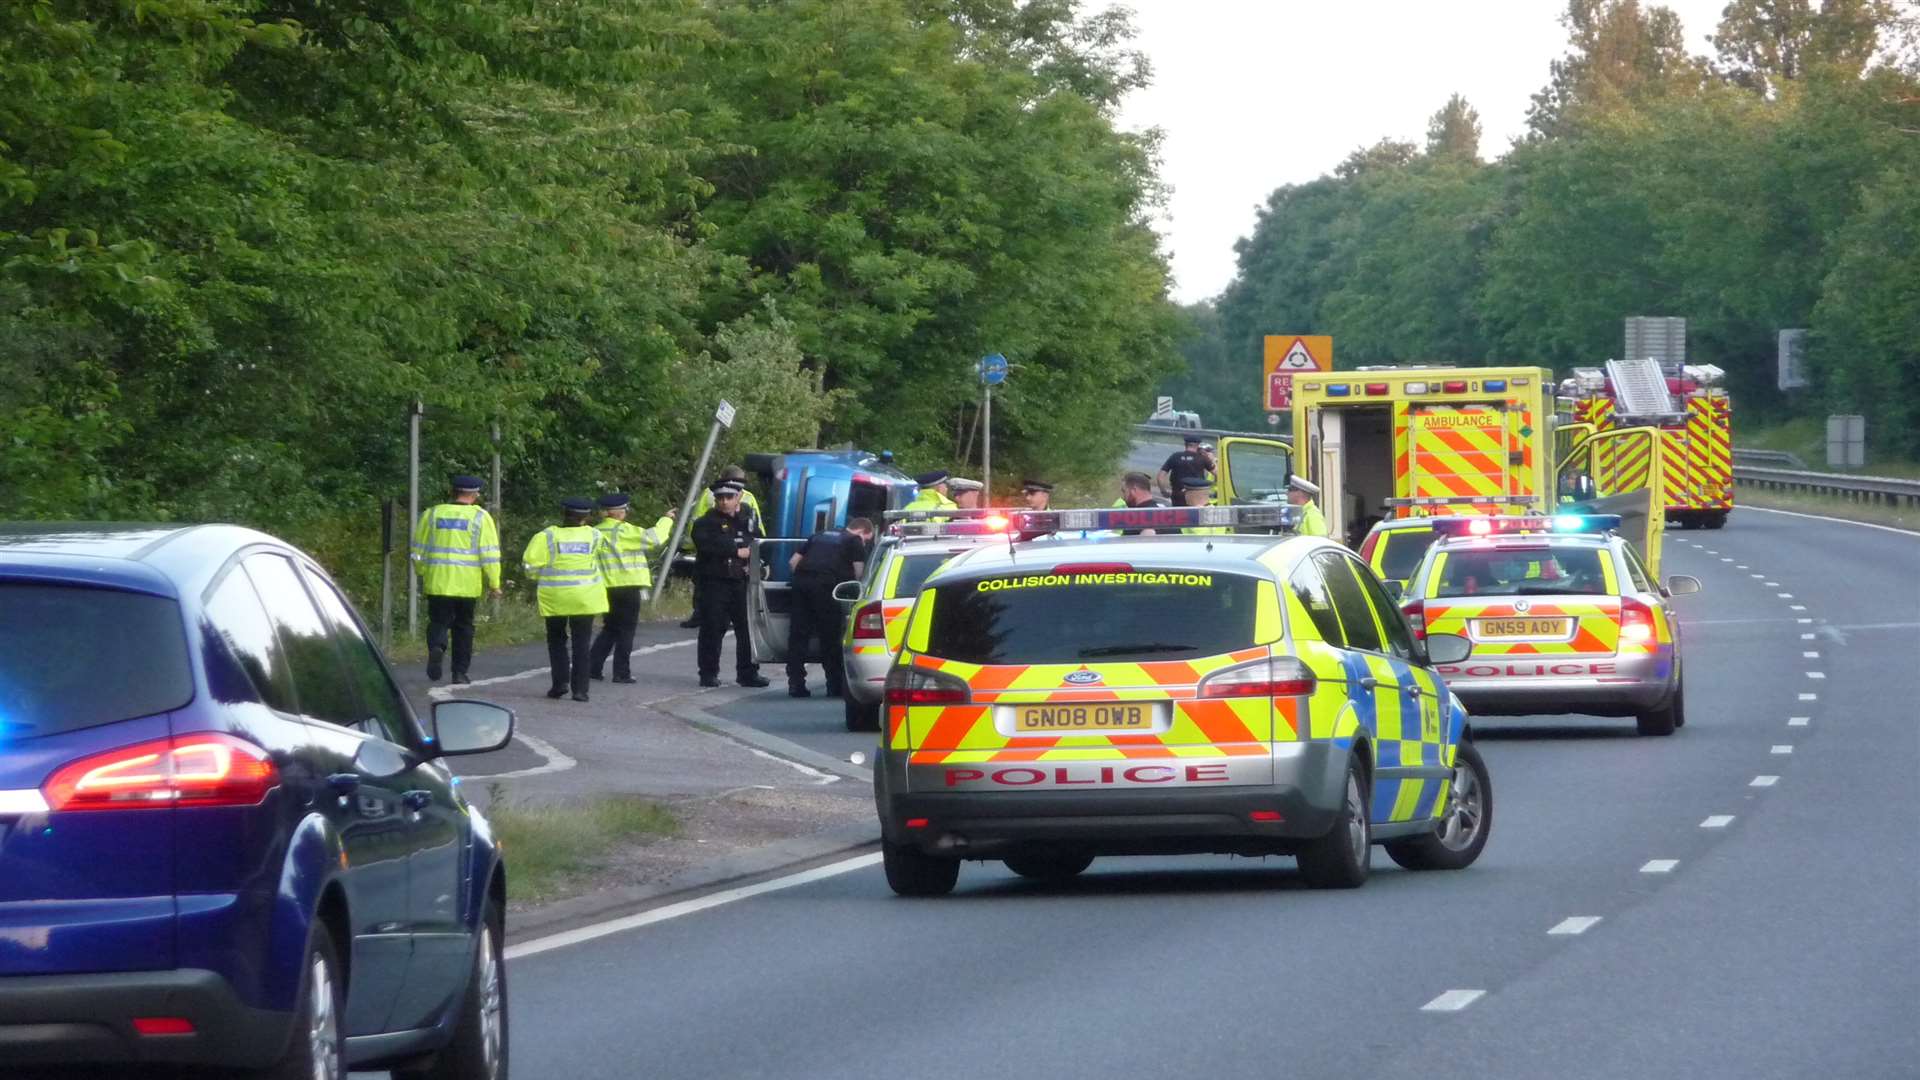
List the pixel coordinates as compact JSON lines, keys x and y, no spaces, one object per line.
{"x":434,"y":657}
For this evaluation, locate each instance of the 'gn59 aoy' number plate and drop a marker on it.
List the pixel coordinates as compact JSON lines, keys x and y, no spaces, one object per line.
{"x":1069,"y":717}
{"x":1523,"y":628}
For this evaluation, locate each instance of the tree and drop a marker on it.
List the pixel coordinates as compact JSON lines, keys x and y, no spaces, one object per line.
{"x":1621,"y":56}
{"x":1385,"y":154}
{"x":1764,"y":44}
{"x":1454,"y":132}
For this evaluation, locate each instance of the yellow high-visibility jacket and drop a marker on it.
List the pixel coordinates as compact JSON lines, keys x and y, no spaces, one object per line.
{"x":456,"y":550}
{"x":623,"y":559}
{"x":564,"y":562}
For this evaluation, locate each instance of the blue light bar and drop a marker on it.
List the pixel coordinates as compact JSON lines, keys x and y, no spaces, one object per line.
{"x":1270,"y":516}
{"x":1494,"y":385}
{"x":1339,"y":391}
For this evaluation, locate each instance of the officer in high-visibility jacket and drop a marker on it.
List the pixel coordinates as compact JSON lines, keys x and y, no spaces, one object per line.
{"x":1199,"y":492}
{"x":456,"y":551}
{"x":749,"y":513}
{"x":932,"y":494}
{"x":623,"y":563}
{"x":1302,"y":492}
{"x":564,"y":562}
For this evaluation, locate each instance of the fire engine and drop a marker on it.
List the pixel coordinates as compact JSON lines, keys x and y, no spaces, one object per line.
{"x":1690,"y":407}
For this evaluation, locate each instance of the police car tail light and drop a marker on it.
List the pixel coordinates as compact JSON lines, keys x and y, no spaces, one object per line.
{"x":870,"y":622}
{"x":919,"y":686}
{"x":186,"y":770}
{"x":1416,"y":613}
{"x":1636,"y":622}
{"x":1263,"y":678}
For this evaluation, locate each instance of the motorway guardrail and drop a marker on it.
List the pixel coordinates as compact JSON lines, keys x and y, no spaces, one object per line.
{"x":1891,"y":490}
{"x":1767,"y":457}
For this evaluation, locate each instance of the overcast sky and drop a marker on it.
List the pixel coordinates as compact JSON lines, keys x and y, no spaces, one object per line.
{"x":1253,"y":94}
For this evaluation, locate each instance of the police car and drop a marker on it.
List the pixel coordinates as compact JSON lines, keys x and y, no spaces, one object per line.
{"x":902,"y":560}
{"x":1173,"y":694}
{"x":1393,"y":548}
{"x":1562,"y":615}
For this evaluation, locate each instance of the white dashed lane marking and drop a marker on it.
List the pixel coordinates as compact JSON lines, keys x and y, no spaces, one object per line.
{"x":1453,"y":1001}
{"x":1717,"y":821}
{"x":1764,"y":781}
{"x":1808,"y":637}
{"x":1809,"y":697}
{"x":1809,"y":654}
{"x":1799,"y":721}
{"x":1782,"y":749}
{"x":1659,"y":866}
{"x":1816,"y":674}
{"x":1574,"y":924}
{"x":1798,"y":607}
{"x":1756,"y":577}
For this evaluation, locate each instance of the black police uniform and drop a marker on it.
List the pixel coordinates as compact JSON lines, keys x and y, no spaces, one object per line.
{"x":722,"y":595}
{"x":1151,"y":503}
{"x":826,"y":560}
{"x":1185,"y":469}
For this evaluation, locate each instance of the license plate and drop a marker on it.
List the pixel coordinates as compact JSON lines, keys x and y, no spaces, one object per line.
{"x":1523,"y":628}
{"x":1088,"y":716}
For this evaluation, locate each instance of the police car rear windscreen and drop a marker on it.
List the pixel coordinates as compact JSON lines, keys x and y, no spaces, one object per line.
{"x":1139,"y":614}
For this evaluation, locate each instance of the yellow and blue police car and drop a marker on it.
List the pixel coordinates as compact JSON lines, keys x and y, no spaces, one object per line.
{"x":1562,"y":617}
{"x":1171,"y":694}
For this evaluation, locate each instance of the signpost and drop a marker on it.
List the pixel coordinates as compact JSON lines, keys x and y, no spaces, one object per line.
{"x":1793,"y":360}
{"x":993,"y":371}
{"x":1285,"y":354}
{"x":413,"y":514}
{"x":1163,"y":408}
{"x":722,"y":419}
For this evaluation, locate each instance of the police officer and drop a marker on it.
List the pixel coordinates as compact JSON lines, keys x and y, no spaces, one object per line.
{"x":456,"y":550}
{"x":827,"y":558}
{"x":721,"y":539}
{"x":623,"y":563}
{"x":1183,"y":469}
{"x":749,"y":507}
{"x":966,"y":493}
{"x":1038,"y":493}
{"x":564,"y":562}
{"x":933,"y":493}
{"x":1200,"y":493}
{"x":1303,"y":492}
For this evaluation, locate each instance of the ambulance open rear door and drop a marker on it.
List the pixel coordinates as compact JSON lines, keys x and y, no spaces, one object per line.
{"x":1619,"y":472}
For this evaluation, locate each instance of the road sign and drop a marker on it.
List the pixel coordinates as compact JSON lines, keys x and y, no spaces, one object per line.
{"x":1284,"y":354}
{"x":724,"y":414}
{"x":993,"y":369}
{"x":1162,"y":408}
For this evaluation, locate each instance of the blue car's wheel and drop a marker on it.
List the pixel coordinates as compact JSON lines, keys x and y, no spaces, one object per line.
{"x":478,"y":1049}
{"x":314,"y":1049}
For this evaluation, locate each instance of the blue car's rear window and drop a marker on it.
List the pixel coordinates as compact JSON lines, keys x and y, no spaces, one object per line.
{"x":73,"y":657}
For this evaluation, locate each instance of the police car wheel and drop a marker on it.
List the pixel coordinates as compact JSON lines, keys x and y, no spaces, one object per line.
{"x":1339,"y":859}
{"x":1679,"y":703}
{"x":1049,"y":867}
{"x":861,"y":717}
{"x":1461,"y":833}
{"x":910,"y":873}
{"x":1663,"y":720}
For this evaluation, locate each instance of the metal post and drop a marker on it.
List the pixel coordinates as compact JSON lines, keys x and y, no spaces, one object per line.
{"x":386,"y":574}
{"x":493,"y":605}
{"x":722,"y":418}
{"x":413,"y":515}
{"x":986,"y":445}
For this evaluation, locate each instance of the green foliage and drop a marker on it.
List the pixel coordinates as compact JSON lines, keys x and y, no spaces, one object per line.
{"x":239,"y":238}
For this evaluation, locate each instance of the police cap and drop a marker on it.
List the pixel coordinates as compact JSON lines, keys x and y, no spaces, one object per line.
{"x":576,"y":505}
{"x":464,"y":484}
{"x":1301,"y":483}
{"x":725,"y":487}
{"x":929,"y":479}
{"x":1035,"y":485}
{"x":961,"y":483}
{"x":614,"y":500}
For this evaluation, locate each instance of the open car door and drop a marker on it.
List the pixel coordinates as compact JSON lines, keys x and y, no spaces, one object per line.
{"x":770,"y":599}
{"x":1620,"y":472}
{"x":1253,"y":470}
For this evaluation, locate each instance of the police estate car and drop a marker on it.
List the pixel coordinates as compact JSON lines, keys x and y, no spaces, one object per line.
{"x":1562,"y":615}
{"x":1054,"y":702}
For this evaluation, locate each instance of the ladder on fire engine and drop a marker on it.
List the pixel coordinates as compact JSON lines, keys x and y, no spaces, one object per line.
{"x":1640,"y":390}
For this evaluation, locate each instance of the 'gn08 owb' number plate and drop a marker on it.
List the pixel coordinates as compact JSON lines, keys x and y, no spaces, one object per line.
{"x":1086,"y":716}
{"x":1522,"y":628}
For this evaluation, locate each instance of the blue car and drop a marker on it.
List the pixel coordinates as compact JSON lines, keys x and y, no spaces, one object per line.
{"x":225,"y":839}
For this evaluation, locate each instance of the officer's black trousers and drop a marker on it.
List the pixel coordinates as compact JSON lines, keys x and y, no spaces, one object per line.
{"x":815,"y":613}
{"x":723,"y":605}
{"x":569,"y":659}
{"x":451,"y":614}
{"x":616,"y":631}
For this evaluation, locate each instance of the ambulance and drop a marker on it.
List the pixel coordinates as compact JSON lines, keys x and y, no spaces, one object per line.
{"x":1694,"y":414}
{"x":1389,"y":443}
{"x":1055,"y":701}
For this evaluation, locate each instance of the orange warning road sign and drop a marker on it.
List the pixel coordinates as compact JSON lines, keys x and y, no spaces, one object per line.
{"x":1285,"y":354}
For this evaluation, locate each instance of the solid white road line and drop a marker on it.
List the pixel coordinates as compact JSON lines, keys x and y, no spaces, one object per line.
{"x":556,"y":761}
{"x":1717,"y":821}
{"x":1453,"y":1001}
{"x":444,"y":692}
{"x":1781,"y":748}
{"x":1799,"y":721}
{"x":1764,"y":781}
{"x":1834,"y":521}
{"x":687,"y":907}
{"x":1659,"y":866}
{"x":1574,"y":924}
{"x":815,"y":775}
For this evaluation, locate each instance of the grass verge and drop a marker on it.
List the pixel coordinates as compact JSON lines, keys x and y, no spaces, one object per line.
{"x":1807,"y":437}
{"x":1828,"y":506}
{"x":552,"y":849}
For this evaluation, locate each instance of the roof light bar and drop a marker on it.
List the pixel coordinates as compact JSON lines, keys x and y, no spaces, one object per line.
{"x":1514,"y":524}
